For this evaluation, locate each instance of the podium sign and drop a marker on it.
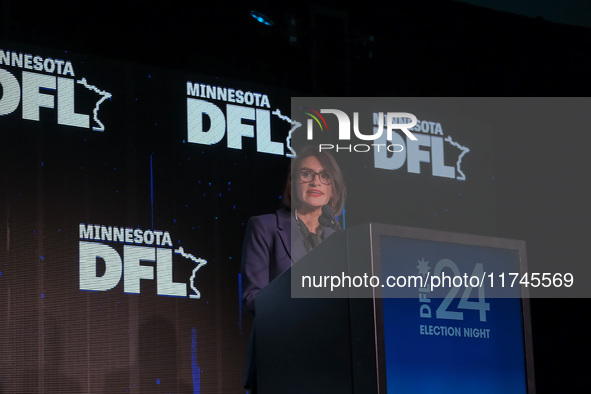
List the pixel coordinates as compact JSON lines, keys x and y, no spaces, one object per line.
{"x":454,"y":339}
{"x":406,"y":331}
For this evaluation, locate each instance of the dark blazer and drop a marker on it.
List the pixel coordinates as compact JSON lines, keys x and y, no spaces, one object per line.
{"x":268,"y":251}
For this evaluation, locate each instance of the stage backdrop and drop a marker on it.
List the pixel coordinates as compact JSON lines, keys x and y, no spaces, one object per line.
{"x":125,"y":191}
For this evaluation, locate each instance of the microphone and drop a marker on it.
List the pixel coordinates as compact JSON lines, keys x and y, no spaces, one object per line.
{"x":327,"y":218}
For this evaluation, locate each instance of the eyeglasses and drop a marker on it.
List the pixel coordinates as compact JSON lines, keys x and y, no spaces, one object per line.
{"x":307,"y":176}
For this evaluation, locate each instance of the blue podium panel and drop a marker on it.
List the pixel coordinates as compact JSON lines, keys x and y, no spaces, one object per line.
{"x":453,"y":339}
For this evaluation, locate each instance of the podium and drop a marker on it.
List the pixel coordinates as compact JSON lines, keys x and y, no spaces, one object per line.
{"x":377,"y":338}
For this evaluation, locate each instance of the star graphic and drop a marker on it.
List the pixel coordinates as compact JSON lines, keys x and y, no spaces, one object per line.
{"x":423,"y":267}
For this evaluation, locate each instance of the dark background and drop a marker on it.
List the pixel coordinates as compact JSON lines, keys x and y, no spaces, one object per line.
{"x":403,"y":48}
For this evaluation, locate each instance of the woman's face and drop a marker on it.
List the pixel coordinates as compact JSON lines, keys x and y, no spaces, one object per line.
{"x":314,"y":193}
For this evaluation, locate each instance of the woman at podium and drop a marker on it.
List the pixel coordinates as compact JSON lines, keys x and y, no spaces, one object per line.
{"x":314,"y":193}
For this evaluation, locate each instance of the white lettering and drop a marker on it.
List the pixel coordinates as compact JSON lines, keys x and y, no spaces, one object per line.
{"x":65,"y":105}
{"x":90,"y":252}
{"x":196,"y":110}
{"x":165,"y":285}
{"x":33,"y":99}
{"x":11,"y":92}
{"x":237,"y":129}
{"x":134,"y":270}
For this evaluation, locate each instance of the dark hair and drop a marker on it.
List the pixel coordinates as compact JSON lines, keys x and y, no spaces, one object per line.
{"x":339,"y":192}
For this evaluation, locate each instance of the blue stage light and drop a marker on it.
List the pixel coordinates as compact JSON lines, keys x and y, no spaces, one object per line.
{"x":262,"y":18}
